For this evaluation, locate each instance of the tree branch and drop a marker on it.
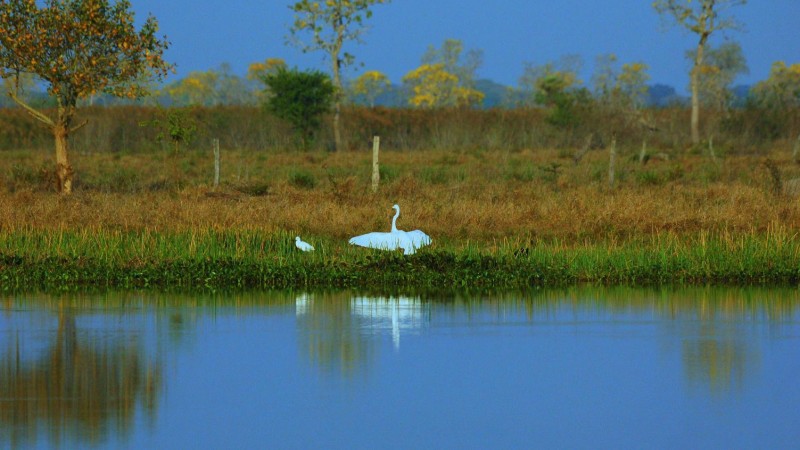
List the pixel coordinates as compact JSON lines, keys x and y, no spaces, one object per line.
{"x":79,"y":126}
{"x":36,"y":114}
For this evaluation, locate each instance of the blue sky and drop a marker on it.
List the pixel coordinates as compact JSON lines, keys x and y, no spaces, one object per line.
{"x":511,"y":33}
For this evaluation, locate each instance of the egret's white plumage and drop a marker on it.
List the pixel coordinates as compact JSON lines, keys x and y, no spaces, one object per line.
{"x":304,"y":246}
{"x":408,"y":241}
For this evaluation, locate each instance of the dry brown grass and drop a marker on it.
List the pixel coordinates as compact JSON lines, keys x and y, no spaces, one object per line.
{"x":480,"y":196}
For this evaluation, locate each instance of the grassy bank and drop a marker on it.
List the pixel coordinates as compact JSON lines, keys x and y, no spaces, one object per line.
{"x":499,"y":220}
{"x":251,"y":259}
{"x":463,"y":196}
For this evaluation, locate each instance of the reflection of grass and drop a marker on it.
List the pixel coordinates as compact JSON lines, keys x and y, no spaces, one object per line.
{"x":696,"y":303}
{"x":250,"y":258}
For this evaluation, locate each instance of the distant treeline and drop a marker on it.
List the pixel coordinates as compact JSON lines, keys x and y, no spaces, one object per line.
{"x":139,"y":128}
{"x":496,"y":95}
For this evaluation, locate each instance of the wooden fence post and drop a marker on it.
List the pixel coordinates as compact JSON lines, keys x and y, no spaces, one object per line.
{"x":216,"y":162}
{"x":711,"y":150}
{"x":643,"y":153}
{"x":376,"y":173}
{"x":612,"y":157}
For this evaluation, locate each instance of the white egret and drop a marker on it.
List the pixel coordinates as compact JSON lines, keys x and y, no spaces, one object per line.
{"x":304,"y":246}
{"x":409,"y":241}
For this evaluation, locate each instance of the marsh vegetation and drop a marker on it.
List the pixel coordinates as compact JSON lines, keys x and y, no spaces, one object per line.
{"x":499,"y":219}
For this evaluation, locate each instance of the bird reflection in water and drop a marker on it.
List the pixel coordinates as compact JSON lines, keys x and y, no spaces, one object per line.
{"x":339,"y":331}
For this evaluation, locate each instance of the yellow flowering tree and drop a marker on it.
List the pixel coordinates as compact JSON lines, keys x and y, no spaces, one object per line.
{"x":541,"y":84}
{"x":196,"y":88}
{"x":431,"y":86}
{"x":258,"y":70}
{"x":78,"y":48}
{"x":782,"y":89}
{"x":623,"y":88}
{"x":210,"y":88}
{"x":369,"y":86}
{"x":632,"y":84}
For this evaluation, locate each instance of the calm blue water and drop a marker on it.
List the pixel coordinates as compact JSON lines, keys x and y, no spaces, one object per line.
{"x":578,"y":368}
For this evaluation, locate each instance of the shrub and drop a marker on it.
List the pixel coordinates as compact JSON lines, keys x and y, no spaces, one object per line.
{"x":300,"y":98}
{"x":302,"y":179}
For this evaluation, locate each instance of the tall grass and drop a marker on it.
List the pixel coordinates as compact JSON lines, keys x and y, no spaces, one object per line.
{"x":454,"y":196}
{"x":497,"y":217}
{"x":118,"y":129}
{"x":223,"y":259}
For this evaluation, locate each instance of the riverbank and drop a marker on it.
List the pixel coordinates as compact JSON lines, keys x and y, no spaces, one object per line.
{"x":498,"y":219}
{"x":212,"y":260}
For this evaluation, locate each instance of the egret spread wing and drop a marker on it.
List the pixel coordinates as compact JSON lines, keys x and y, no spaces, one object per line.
{"x":419,"y":238}
{"x":379,"y":240}
{"x":408,"y":241}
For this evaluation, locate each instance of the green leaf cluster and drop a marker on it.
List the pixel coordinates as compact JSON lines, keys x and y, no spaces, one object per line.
{"x":299,"y":97}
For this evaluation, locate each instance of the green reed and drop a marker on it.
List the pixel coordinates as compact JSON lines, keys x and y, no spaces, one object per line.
{"x":218,"y":259}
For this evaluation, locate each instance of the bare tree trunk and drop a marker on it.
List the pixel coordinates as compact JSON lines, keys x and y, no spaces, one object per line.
{"x":337,"y":133}
{"x":63,"y":168}
{"x":337,"y":81}
{"x":695,"y":111}
{"x":711,"y":152}
{"x":695,"y":82}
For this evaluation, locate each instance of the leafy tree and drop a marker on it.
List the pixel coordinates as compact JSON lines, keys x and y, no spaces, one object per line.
{"x":258,"y":70}
{"x":210,"y":88}
{"x":332,"y":23}
{"x":782,"y":89}
{"x":552,"y":91}
{"x":632,"y":84}
{"x":450,"y":55}
{"x":24,"y":85}
{"x":701,"y":17}
{"x":196,"y":88}
{"x":173,"y":125}
{"x":564,"y":74}
{"x":369,"y":86}
{"x":605,"y":75}
{"x":722,"y":65}
{"x":300,"y":98}
{"x":621,"y":93}
{"x":556,"y":86}
{"x":78,"y":48}
{"x":774,"y":102}
{"x":446,"y":77}
{"x":432,"y":86}
{"x":256,"y":73}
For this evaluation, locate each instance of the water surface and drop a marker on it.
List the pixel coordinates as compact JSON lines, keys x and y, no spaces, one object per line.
{"x":575,"y":368}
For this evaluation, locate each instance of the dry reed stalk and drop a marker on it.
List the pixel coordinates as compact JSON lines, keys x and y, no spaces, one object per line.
{"x":480,"y":200}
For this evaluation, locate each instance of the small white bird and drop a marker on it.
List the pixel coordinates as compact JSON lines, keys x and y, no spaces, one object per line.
{"x":304,"y":246}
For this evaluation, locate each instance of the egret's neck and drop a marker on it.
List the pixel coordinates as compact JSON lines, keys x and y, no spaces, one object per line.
{"x":394,"y":221}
